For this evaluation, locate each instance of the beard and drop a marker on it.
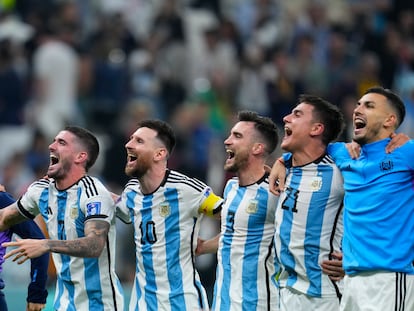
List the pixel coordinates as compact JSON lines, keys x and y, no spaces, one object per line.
{"x":139,"y":169}
{"x":61,"y":172}
{"x":238,"y":163}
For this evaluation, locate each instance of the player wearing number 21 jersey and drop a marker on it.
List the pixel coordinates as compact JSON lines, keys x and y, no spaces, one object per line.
{"x":166,"y":225}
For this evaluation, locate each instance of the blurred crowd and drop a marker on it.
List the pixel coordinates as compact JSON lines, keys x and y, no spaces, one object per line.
{"x":105,"y":64}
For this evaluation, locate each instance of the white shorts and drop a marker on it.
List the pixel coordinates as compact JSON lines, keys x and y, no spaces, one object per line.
{"x":373,"y":291}
{"x":291,"y":299}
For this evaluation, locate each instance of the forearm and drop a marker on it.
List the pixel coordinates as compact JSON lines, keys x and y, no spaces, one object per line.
{"x":83,"y":247}
{"x":211,"y":245}
{"x":10,"y":216}
{"x":90,"y":246}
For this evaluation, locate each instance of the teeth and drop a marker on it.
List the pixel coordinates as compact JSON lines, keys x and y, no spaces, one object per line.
{"x":54,"y":159}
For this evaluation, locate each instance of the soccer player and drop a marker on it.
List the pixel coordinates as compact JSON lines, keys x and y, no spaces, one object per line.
{"x":245,"y":248}
{"x":309,"y":215}
{"x":378,"y":245}
{"x":36,"y":293}
{"x":79,"y":214}
{"x":165,"y":208}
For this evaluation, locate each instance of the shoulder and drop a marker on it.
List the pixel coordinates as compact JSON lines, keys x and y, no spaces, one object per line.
{"x":180,"y":180}
{"x":92,"y":186}
{"x":334,"y":148}
{"x":132,"y":184}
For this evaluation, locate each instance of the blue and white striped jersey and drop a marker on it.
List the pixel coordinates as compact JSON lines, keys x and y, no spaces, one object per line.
{"x":166,"y":226}
{"x":309,"y":226}
{"x":246,"y":254}
{"x":82,"y":283}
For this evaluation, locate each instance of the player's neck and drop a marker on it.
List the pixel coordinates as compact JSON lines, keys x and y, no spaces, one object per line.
{"x":69,"y":180}
{"x":251,"y":174}
{"x":152,"y":179}
{"x":307,"y":155}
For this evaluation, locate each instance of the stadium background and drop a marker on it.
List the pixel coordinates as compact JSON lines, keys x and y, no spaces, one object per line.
{"x":193,"y":63}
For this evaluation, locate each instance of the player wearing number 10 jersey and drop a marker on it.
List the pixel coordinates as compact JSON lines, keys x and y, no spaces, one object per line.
{"x":165,"y":208}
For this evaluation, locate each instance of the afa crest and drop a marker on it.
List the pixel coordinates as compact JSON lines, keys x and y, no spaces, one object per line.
{"x":316,"y":183}
{"x":252,"y":207}
{"x":386,"y":165}
{"x":73,"y":212}
{"x":164,"y":209}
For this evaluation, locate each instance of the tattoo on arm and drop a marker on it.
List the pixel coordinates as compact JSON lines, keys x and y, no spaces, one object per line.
{"x":96,"y":232}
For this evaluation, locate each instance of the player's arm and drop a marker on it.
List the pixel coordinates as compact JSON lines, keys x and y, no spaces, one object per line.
{"x":96,"y":232}
{"x":211,"y":204}
{"x":397,"y":140}
{"x":333,"y":267}
{"x":277,"y":176}
{"x":207,"y":246}
{"x":10,"y":216}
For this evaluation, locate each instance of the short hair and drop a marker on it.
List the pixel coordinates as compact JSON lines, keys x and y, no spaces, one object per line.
{"x":89,"y":141}
{"x":326,"y":113}
{"x":165,"y":132}
{"x":393,"y":99}
{"x":264,"y":125}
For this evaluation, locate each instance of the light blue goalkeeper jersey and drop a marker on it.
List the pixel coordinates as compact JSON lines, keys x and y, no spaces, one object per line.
{"x":379,"y":207}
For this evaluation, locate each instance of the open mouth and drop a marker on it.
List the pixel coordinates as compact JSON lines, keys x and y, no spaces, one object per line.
{"x":131,"y":158}
{"x":53,"y":159}
{"x":230,"y":154}
{"x":288,"y":131}
{"x":359,"y":124}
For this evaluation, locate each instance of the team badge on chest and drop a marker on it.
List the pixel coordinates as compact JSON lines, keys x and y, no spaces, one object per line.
{"x":164,"y":209}
{"x":73,"y":212}
{"x":316,"y":183}
{"x":252,"y":207}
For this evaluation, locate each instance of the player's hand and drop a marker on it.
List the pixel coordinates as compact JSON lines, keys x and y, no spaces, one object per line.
{"x":354,"y":149}
{"x":277,"y":177}
{"x":26,"y":249}
{"x":33,"y":306}
{"x":333,"y":268}
{"x":397,"y":140}
{"x":199,"y":249}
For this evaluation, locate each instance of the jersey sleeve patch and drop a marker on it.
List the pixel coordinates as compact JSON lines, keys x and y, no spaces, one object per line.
{"x":93,"y":208}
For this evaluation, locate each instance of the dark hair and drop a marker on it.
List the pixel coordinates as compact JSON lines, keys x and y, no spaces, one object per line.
{"x":326,"y":113}
{"x":165,"y":133}
{"x":265,"y":126}
{"x":89,"y":141}
{"x":395,"y":101}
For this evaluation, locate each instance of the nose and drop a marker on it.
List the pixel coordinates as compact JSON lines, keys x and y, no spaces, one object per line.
{"x":286,"y":118}
{"x":128,"y":144}
{"x":51,"y":146}
{"x":227,"y":141}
